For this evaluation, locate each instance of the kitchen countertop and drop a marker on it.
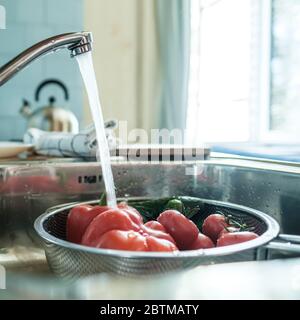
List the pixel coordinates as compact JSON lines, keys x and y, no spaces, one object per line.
{"x":277,"y":279}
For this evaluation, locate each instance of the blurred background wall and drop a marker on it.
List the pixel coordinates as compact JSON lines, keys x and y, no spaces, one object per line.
{"x":28,"y":22}
{"x":141,"y":55}
{"x":126,"y":59}
{"x":138,"y":53}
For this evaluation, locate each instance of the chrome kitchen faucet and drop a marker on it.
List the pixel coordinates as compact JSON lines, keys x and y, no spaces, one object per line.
{"x":76,"y":42}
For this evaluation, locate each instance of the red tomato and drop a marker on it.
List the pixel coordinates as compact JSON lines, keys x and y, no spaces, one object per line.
{"x":155,"y":225}
{"x":78,"y":220}
{"x":155,"y":244}
{"x":157,"y":233}
{"x":213,"y":225}
{"x":133,"y":241}
{"x":113,"y":219}
{"x":134,"y":214}
{"x":201,"y":242}
{"x":120,"y":228}
{"x":183,"y":230}
{"x":122,"y":240}
{"x":100,"y":209}
{"x":228,"y":239}
{"x":229,"y":230}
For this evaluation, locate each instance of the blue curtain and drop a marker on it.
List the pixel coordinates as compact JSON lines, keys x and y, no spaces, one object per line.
{"x":173,"y":21}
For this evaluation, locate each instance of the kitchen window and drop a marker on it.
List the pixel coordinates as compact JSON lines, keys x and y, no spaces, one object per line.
{"x":244,"y":71}
{"x":284,"y":104}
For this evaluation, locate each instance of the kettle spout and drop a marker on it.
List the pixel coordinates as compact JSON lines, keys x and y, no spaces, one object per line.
{"x":26,"y":110}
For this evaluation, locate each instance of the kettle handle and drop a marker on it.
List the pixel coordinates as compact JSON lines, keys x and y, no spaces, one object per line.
{"x":51,"y":81}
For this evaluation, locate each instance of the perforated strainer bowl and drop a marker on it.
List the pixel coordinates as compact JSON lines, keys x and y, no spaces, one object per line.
{"x":72,"y":260}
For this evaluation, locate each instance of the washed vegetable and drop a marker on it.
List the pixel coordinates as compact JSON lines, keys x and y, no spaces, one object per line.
{"x":235,"y":237}
{"x":132,"y":212}
{"x":213,"y":225}
{"x":81,"y":216}
{"x":155,"y":225}
{"x":155,"y":244}
{"x":151,"y":209}
{"x":157,"y":233}
{"x":123,"y":229}
{"x":183,"y":230}
{"x":122,"y":240}
{"x":229,"y":230}
{"x":78,"y":220}
{"x":175,"y":204}
{"x":113,"y":219}
{"x":133,"y":241}
{"x":168,"y":226}
{"x":202,"y":242}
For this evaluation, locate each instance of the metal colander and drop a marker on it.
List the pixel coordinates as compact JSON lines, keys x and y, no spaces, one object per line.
{"x":72,"y":260}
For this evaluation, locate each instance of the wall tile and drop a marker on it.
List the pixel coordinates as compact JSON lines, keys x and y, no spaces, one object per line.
{"x":12,"y":128}
{"x":30,"y":11}
{"x":27,"y":23}
{"x":12,"y":39}
{"x":11,"y":13}
{"x":67,"y":13}
{"x":33,"y":34}
{"x":11,"y":96}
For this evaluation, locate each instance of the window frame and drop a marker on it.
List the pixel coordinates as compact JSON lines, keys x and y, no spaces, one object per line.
{"x":266,"y":135}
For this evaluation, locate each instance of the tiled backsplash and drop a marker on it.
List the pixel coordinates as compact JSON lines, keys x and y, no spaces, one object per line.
{"x":27,"y":22}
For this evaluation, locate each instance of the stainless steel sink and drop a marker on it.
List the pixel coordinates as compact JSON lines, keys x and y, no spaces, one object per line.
{"x":27,"y":190}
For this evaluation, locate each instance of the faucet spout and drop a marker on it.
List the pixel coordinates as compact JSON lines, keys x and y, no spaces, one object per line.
{"x":76,"y":42}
